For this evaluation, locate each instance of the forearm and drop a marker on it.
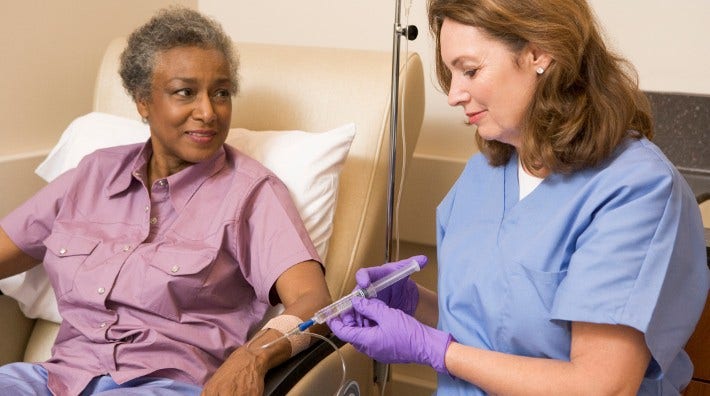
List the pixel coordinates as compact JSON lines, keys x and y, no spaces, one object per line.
{"x":307,"y":306}
{"x":604,"y":360}
{"x":504,"y":374}
{"x":427,"y":310}
{"x":13,"y":260}
{"x":244,"y":370}
{"x":278,"y":348}
{"x":302,"y":301}
{"x":302,"y":290}
{"x":273,"y":354}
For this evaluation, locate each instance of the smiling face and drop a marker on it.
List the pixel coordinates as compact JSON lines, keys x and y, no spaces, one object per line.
{"x":493,"y":84}
{"x":189,"y":109}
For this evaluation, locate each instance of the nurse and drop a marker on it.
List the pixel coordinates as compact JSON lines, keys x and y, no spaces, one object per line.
{"x":570,"y":250}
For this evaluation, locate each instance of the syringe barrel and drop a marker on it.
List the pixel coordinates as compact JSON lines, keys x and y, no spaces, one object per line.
{"x":345,"y":303}
{"x":391,"y":278}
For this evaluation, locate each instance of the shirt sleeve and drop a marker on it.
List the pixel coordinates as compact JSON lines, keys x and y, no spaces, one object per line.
{"x":30,"y":223}
{"x":272,"y":236}
{"x":640,"y":259}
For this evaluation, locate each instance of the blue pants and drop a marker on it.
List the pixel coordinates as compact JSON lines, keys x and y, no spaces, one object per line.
{"x":31,"y":380}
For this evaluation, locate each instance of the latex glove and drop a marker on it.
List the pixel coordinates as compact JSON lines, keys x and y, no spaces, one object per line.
{"x":392,"y":336}
{"x":401,"y":295}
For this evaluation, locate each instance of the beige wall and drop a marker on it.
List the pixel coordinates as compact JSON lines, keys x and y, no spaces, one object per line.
{"x":51,"y":50}
{"x":665,"y":40}
{"x":50,"y":54}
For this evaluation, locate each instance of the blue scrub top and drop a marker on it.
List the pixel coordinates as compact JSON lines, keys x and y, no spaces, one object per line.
{"x":621,"y":243}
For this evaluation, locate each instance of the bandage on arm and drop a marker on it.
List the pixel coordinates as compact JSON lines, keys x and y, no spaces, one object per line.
{"x":286,"y":323}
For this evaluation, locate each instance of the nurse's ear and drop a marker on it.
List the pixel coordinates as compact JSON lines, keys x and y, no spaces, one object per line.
{"x":533,"y":58}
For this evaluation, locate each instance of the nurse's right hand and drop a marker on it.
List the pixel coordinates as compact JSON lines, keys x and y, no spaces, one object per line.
{"x":402,"y":295}
{"x":391,"y":336}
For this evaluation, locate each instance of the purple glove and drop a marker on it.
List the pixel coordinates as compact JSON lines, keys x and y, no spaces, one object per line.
{"x":395,"y":336}
{"x":401,"y":295}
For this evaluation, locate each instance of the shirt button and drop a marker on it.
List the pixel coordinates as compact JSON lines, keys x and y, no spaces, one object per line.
{"x":101,"y":290}
{"x":62,"y":251}
{"x":161,"y":182}
{"x":175,"y":269}
{"x":147,"y":208}
{"x":126,"y":248}
{"x":153,"y":220}
{"x":102,"y":325}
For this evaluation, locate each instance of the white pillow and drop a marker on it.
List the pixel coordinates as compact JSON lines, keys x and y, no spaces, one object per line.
{"x":308,"y":163}
{"x":85,"y":135}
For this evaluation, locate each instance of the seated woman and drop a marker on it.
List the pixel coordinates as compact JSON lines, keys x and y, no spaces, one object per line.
{"x":163,"y":255}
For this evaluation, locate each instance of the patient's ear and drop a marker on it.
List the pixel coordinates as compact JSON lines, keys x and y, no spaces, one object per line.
{"x":142,"y":107}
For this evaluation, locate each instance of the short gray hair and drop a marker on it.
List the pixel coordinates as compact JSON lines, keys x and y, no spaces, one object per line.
{"x":170,"y":28}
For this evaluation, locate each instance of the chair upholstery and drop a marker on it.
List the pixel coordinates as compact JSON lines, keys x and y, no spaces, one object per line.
{"x":306,"y":88}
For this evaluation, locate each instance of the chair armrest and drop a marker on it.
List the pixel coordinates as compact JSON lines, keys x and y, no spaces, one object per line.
{"x":15,"y":330}
{"x":279,"y":380}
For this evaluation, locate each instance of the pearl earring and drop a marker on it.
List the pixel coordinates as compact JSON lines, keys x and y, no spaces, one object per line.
{"x":540,"y":70}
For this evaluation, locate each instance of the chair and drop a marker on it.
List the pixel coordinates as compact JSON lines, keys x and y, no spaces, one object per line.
{"x":291,"y":87}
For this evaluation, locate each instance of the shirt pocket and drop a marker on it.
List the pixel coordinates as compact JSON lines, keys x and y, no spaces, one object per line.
{"x":173,"y":280}
{"x":66,"y":253}
{"x":543,"y":285}
{"x":528,"y":329}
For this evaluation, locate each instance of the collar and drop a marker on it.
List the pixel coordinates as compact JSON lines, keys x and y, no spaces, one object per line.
{"x":183,"y":184}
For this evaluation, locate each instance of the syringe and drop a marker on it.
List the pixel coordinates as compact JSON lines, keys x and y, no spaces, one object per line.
{"x":345,"y":303}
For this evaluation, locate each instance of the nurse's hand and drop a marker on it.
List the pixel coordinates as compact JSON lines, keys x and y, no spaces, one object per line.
{"x":401,"y":295}
{"x":391,"y":336}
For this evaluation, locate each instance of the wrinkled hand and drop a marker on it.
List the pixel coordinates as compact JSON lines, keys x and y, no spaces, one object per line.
{"x":241,"y":374}
{"x":401,"y":295}
{"x":391,"y":336}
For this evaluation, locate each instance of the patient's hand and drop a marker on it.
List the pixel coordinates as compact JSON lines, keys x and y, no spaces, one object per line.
{"x":244,"y":370}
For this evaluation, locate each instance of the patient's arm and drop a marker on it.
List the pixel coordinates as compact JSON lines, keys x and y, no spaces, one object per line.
{"x":12,"y":259}
{"x":303,"y":291}
{"x":427,"y":309}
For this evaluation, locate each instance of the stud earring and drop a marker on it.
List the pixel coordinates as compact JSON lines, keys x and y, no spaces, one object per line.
{"x":145,"y":120}
{"x":540,"y":70}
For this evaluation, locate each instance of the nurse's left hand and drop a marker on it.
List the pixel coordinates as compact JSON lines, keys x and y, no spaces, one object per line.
{"x":391,"y":336}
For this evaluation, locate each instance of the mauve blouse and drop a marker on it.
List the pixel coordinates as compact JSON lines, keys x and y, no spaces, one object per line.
{"x":162,"y":284}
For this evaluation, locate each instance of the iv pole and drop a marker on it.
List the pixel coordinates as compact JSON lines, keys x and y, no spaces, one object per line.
{"x":410,"y":32}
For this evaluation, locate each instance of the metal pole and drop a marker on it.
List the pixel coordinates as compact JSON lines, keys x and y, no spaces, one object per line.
{"x":394,"y":113}
{"x":381,"y":369}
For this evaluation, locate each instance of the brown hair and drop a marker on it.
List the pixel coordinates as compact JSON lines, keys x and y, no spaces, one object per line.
{"x":586,"y":101}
